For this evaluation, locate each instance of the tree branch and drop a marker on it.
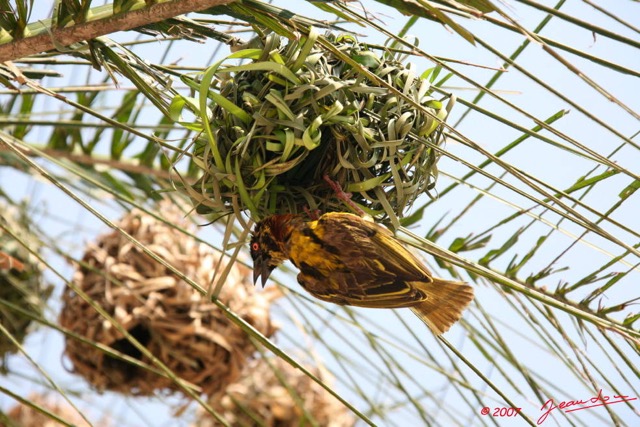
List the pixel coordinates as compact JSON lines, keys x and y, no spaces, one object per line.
{"x":67,"y":36}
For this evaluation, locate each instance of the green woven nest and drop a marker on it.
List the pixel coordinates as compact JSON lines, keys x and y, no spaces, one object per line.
{"x":296,"y":111}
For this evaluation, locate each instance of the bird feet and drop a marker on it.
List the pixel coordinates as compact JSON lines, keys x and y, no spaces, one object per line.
{"x":313,"y":215}
{"x":344,"y":196}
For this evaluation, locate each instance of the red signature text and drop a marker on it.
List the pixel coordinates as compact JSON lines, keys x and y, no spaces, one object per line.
{"x":577,"y":405}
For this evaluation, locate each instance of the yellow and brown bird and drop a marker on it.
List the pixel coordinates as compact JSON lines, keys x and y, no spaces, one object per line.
{"x":347,"y":260}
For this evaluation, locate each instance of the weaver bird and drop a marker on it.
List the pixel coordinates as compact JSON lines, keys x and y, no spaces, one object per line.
{"x":347,"y":260}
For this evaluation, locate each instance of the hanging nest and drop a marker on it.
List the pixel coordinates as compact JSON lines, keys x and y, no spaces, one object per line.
{"x":178,"y":325}
{"x":296,"y":111}
{"x":26,"y":416}
{"x":23,"y":296}
{"x":272,"y":393}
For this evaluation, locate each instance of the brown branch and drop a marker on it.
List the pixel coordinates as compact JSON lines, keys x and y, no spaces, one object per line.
{"x":92,"y":29}
{"x":120,"y":165}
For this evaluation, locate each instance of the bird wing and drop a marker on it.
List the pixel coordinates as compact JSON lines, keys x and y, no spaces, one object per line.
{"x":368,"y":267}
{"x":391,"y":295}
{"x":351,"y":261}
{"x":375,"y":243}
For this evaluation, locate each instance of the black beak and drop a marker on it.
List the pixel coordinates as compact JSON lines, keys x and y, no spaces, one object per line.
{"x":262,"y":268}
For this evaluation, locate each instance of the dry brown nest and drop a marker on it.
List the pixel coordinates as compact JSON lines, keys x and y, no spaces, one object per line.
{"x":177,"y":324}
{"x":23,"y":295}
{"x":272,"y":393}
{"x":27,"y":416}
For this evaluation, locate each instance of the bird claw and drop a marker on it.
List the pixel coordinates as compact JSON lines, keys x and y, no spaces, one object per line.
{"x":342,"y":195}
{"x":313,"y":215}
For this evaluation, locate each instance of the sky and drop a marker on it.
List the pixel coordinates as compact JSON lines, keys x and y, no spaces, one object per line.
{"x":71,"y":224}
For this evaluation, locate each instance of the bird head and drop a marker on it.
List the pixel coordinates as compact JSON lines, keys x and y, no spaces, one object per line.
{"x":268,"y":243}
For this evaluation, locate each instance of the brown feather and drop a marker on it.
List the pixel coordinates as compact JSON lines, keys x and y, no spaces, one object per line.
{"x":446,"y":300}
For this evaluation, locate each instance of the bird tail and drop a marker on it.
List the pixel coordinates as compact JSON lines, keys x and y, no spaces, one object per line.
{"x":444,"y":304}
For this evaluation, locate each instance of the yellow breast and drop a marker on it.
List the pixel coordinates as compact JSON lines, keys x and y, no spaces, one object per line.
{"x":306,"y":246}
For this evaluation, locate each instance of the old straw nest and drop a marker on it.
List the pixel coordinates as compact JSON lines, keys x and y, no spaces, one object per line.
{"x":272,"y":393}
{"x":177,"y":324}
{"x":27,"y":416}
{"x":23,"y":295}
{"x":298,"y":110}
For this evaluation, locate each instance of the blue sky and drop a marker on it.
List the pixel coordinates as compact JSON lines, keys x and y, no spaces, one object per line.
{"x":73,"y":226}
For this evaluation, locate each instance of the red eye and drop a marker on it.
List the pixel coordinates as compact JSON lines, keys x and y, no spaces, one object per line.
{"x":255,"y":246}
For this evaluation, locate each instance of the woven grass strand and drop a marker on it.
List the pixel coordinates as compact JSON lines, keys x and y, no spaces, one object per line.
{"x":294,"y":112}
